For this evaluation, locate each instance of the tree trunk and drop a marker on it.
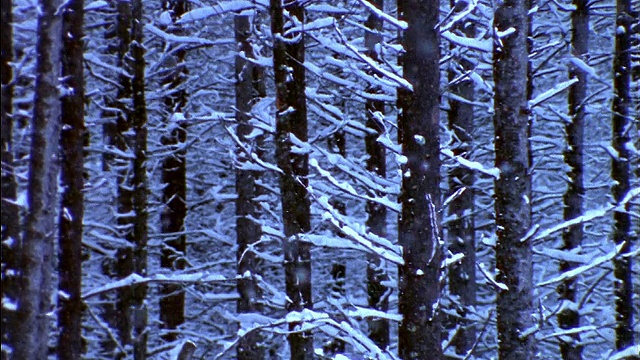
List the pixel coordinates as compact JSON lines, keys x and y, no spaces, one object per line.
{"x":620,"y":173}
{"x":72,"y":202}
{"x":124,"y":254}
{"x":513,"y":188}
{"x":139,"y":184}
{"x":174,"y":178}
{"x":418,"y":122}
{"x":32,"y":332}
{"x":569,"y":317}
{"x":248,"y":230}
{"x":291,"y":120}
{"x":378,"y":294}
{"x":11,"y":239}
{"x":461,"y":229}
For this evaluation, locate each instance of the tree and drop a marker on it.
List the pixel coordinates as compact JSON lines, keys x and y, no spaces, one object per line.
{"x":513,"y":188}
{"x":138,"y":120}
{"x":72,"y":179}
{"x":291,"y":120}
{"x":10,"y":211}
{"x":418,"y":232}
{"x":461,"y":227}
{"x":174,"y":176}
{"x":248,"y":230}
{"x":377,"y":214}
{"x":620,"y":173}
{"x":569,"y":317}
{"x":32,"y":331}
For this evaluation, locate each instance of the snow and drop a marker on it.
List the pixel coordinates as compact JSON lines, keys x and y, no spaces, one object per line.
{"x":581,"y":269}
{"x":484,"y":45}
{"x":555,"y":90}
{"x":177,"y":38}
{"x":580,"y":64}
{"x":399,"y":24}
{"x":491,"y":278}
{"x":218,"y":9}
{"x":493,"y":172}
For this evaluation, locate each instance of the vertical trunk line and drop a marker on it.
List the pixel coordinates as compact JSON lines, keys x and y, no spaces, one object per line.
{"x":418,"y":232}
{"x":70,"y":344}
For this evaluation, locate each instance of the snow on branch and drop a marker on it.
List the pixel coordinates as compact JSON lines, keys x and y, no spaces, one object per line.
{"x":581,"y":269}
{"x":557,"y":89}
{"x":177,"y":39}
{"x":491,"y":279}
{"x":400,"y":24}
{"x":590,"y":215}
{"x":219,"y":9}
{"x":473,"y":165}
{"x":484,"y":45}
{"x":135,"y":279}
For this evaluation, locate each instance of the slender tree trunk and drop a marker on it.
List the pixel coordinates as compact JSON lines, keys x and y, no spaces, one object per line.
{"x":11,"y":239}
{"x":248,"y":230}
{"x":378,"y":294}
{"x":569,"y":317}
{"x":174,"y":177}
{"x":32,"y":330}
{"x":291,"y":120}
{"x":418,"y":121}
{"x":513,"y":189}
{"x":72,"y":202}
{"x":461,"y":229}
{"x":139,"y":185}
{"x":125,"y":215}
{"x":620,"y":173}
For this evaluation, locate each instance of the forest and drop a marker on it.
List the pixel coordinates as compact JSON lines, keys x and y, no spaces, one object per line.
{"x":320,"y":179}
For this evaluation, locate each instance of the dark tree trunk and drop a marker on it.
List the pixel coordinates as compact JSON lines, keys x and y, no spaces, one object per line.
{"x":291,"y":120}
{"x":461,"y":229}
{"x":513,"y":189}
{"x":11,"y":240}
{"x":620,"y":173}
{"x":32,"y":330}
{"x":248,"y":230}
{"x":378,"y":294}
{"x":124,"y":255}
{"x":573,"y":198}
{"x":418,"y":122}
{"x":139,"y":184}
{"x":174,"y":178}
{"x":72,"y":202}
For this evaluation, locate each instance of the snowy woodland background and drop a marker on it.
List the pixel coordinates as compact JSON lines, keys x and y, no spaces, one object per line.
{"x":177,"y":230}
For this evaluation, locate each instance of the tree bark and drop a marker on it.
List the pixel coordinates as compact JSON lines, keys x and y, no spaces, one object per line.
{"x":620,"y":173}
{"x":248,"y":230}
{"x":513,"y":188}
{"x":418,"y":122}
{"x":569,"y":317}
{"x":461,"y":228}
{"x":124,"y":254}
{"x":378,"y":294}
{"x":174,"y":178}
{"x":139,"y":184}
{"x":291,"y":120}
{"x":11,"y":239}
{"x":32,"y":331}
{"x":72,"y":202}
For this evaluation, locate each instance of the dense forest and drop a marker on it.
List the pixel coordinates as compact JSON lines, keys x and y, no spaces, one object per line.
{"x":320,"y":179}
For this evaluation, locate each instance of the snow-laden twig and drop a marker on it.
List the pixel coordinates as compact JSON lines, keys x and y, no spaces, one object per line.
{"x":177,"y":39}
{"x":557,"y":89}
{"x":589,"y":215}
{"x":135,"y":279}
{"x":473,"y":165}
{"x":491,"y":279}
{"x":581,"y":269}
{"x":218,"y":9}
{"x":399,"y":24}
